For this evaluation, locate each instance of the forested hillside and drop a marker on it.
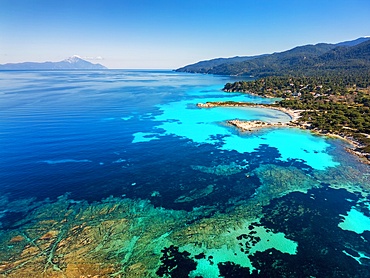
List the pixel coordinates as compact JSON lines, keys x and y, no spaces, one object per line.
{"x":303,"y":60}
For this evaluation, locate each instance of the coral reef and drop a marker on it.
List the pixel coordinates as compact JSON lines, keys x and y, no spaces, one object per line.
{"x":117,"y":238}
{"x":195,"y":194}
{"x":270,"y":232}
{"x":278,"y":181}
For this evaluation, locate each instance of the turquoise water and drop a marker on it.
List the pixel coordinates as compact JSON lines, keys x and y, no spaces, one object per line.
{"x":118,"y":173}
{"x":184,"y":119}
{"x":355,"y":221}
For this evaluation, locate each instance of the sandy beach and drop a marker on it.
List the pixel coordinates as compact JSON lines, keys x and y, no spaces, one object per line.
{"x":294,"y":114}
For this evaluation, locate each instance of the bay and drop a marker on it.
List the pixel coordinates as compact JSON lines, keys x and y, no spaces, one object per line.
{"x":127,"y":153}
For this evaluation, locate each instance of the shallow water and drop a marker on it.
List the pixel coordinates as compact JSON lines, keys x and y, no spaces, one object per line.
{"x":100,"y":167}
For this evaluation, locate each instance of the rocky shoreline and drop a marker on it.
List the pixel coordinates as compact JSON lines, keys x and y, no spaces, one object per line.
{"x":294,"y":115}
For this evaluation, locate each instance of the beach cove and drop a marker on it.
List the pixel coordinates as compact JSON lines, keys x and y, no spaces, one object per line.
{"x":295,"y":115}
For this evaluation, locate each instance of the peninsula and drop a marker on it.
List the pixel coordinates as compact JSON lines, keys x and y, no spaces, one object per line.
{"x":332,"y":105}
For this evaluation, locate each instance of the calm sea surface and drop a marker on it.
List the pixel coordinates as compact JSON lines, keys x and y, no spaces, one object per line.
{"x":281,"y":200}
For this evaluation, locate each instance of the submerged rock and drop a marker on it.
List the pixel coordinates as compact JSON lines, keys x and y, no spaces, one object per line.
{"x":220,"y":170}
{"x":195,"y":194}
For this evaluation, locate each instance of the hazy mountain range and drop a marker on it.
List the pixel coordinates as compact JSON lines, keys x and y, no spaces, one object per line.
{"x":71,"y":63}
{"x":308,"y":59}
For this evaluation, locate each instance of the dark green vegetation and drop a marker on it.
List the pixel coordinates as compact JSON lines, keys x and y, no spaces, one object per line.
{"x":207,"y":66}
{"x":308,"y":60}
{"x":338,"y":104}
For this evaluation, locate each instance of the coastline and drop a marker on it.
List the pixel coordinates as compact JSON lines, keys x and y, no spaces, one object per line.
{"x":294,"y":114}
{"x":249,"y":126}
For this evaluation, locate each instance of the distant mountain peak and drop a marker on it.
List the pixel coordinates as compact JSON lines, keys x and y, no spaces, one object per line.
{"x":73,"y":59}
{"x":71,"y":63}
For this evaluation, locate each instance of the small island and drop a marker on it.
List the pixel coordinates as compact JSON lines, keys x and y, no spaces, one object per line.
{"x":332,"y":105}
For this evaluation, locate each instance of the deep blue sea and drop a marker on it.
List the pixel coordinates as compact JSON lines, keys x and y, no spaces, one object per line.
{"x":282,"y":202}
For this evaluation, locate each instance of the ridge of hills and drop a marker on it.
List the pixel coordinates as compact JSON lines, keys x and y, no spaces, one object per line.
{"x":306,"y":60}
{"x":71,"y":63}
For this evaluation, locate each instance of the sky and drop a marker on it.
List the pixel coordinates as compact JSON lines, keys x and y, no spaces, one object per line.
{"x":168,"y":34}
